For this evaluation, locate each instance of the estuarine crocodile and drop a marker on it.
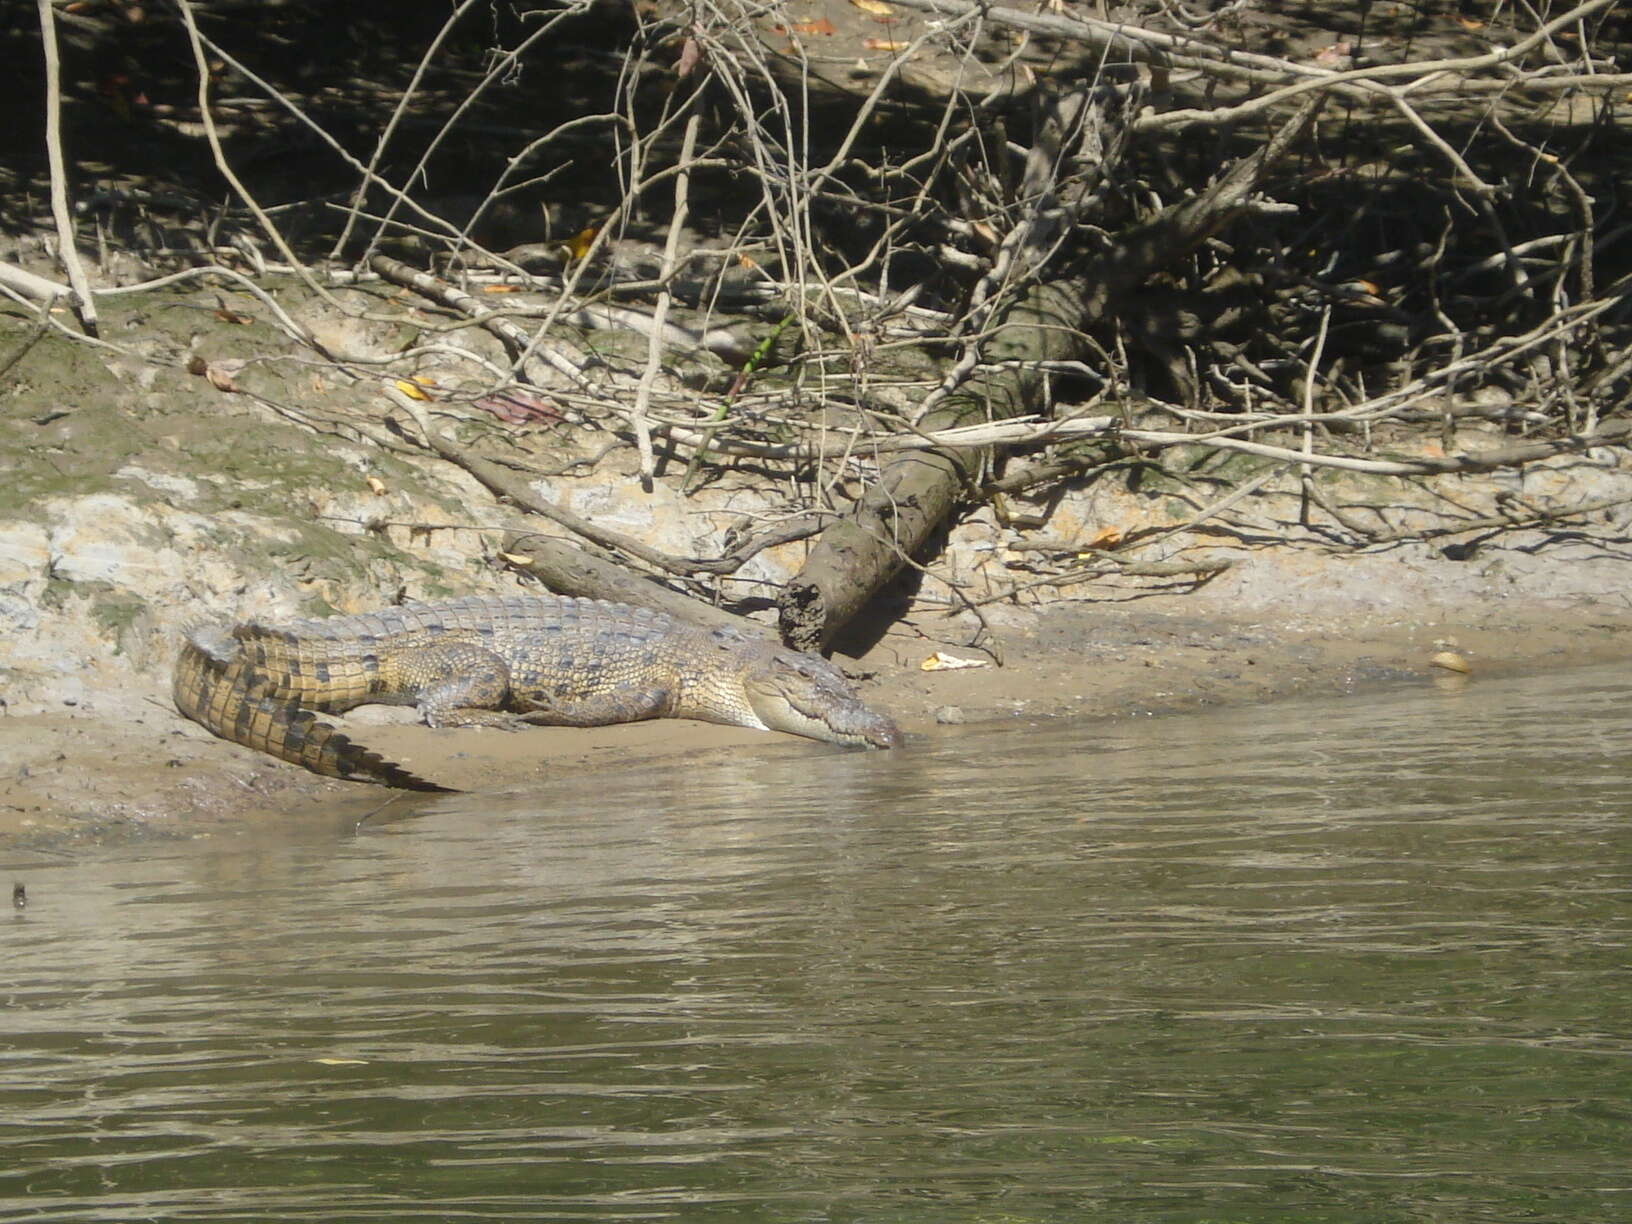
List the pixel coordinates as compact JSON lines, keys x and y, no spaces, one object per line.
{"x":501,"y":661}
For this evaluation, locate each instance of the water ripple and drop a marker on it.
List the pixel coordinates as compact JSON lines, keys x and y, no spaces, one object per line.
{"x":1347,"y":960}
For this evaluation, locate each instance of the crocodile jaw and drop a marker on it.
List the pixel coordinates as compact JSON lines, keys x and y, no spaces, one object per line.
{"x":806,"y":695}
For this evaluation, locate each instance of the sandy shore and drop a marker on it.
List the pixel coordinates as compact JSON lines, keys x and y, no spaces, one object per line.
{"x":93,"y":776}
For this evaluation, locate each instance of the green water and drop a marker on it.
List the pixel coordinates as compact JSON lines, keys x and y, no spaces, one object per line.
{"x":1355,"y":961}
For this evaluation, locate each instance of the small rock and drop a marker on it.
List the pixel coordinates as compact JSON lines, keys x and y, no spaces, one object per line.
{"x":950,"y":716}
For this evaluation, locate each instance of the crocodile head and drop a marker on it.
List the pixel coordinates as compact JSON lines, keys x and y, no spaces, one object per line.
{"x":806,"y":695}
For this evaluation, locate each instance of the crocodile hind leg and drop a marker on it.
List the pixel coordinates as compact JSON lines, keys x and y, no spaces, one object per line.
{"x":456,"y":684}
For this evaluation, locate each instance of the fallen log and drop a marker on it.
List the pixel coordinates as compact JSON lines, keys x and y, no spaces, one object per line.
{"x":891,"y":522}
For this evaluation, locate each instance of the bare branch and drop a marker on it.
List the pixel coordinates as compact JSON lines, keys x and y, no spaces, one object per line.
{"x":67,"y":250}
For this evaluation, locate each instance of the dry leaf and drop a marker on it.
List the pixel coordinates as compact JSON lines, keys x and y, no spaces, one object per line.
{"x":691,"y":54}
{"x":515,"y":558}
{"x":501,"y":288}
{"x":876,"y":7}
{"x":820,"y":26}
{"x":883,"y":44}
{"x":219,"y":378}
{"x":518,"y":407}
{"x":376,"y":486}
{"x":1337,"y":53}
{"x":1105,"y":537}
{"x":941,"y":661}
{"x":341,"y":1062}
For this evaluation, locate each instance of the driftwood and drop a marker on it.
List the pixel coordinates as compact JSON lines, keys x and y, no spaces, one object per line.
{"x":913,"y":495}
{"x":568,"y":570}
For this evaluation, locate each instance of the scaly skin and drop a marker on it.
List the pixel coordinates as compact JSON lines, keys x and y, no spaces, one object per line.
{"x":501,"y":661}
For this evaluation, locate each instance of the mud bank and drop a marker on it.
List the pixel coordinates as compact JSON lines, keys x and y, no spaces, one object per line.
{"x":82,"y":778}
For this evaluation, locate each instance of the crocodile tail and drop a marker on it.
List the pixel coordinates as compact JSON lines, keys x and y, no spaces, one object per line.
{"x":217,"y":688}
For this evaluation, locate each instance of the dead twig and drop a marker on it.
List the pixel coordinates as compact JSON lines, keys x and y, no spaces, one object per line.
{"x":1528,"y":517}
{"x":522,"y":345}
{"x":67,"y":251}
{"x":201,"y":65}
{"x":1111,"y":568}
{"x":654,"y":347}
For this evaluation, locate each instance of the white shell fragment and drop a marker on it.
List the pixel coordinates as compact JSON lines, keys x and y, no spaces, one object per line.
{"x":1450,"y":661}
{"x":941,"y":661}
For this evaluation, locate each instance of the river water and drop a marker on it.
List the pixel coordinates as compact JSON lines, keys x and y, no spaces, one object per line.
{"x":1360,"y":960}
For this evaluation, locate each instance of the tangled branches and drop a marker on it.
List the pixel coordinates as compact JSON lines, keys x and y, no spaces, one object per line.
{"x":882,"y":253}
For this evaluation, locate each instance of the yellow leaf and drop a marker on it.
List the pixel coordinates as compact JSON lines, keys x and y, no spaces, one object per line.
{"x":576,"y":247}
{"x":410,"y":389}
{"x":876,"y":7}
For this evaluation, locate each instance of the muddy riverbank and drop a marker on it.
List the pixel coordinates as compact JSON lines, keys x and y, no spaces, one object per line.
{"x":142,"y":497}
{"x":87,"y":776}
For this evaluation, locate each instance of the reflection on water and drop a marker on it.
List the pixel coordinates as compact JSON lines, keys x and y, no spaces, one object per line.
{"x":1361,"y":960}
